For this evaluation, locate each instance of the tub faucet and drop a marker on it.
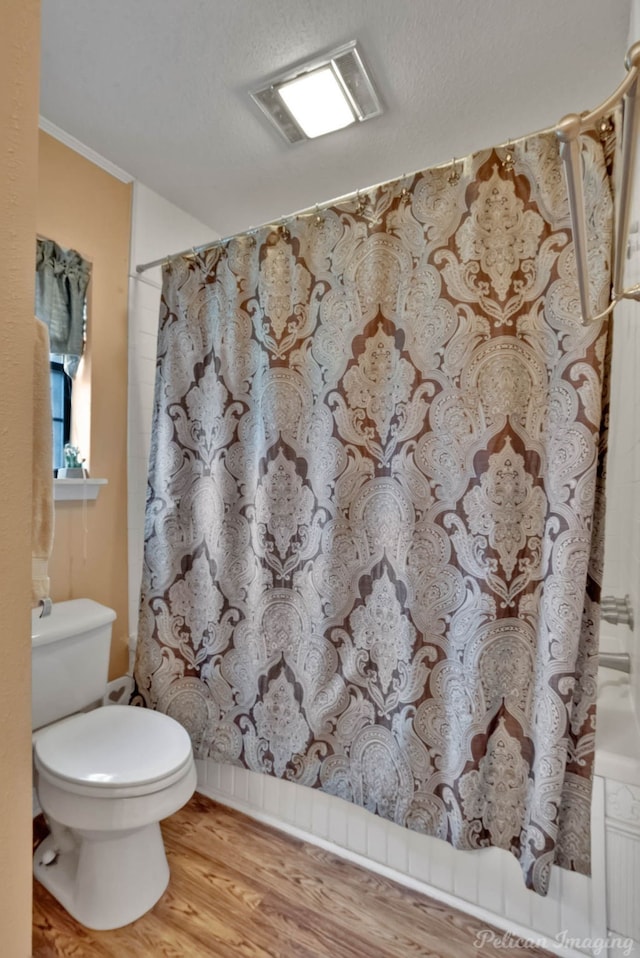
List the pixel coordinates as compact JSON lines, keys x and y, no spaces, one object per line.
{"x":621,"y":661}
{"x":617,"y":611}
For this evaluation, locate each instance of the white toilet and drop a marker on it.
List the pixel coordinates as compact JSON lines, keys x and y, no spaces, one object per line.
{"x":104,"y":778}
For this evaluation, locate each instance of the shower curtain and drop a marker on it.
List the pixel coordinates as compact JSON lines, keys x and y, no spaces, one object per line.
{"x":374,"y":518}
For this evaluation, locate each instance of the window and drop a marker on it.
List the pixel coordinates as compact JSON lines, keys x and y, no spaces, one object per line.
{"x":62,"y":277}
{"x":60,"y":408}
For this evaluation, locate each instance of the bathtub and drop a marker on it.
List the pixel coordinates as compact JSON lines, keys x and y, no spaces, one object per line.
{"x":617,"y":766}
{"x":617,"y":725}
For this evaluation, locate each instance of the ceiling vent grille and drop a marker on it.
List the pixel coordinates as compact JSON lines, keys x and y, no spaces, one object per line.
{"x":344,"y":69}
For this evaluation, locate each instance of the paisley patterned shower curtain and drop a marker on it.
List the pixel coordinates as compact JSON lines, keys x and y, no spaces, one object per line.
{"x":373,"y":526}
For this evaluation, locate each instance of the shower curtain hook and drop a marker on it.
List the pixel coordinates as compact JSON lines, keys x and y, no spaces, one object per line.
{"x":362,"y":203}
{"x":605,"y":128}
{"x":507,"y":163}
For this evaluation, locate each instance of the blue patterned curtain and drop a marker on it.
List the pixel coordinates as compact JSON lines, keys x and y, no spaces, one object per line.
{"x":62,"y":277}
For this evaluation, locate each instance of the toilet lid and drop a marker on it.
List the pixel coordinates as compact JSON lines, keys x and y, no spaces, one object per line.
{"x":115,"y":745}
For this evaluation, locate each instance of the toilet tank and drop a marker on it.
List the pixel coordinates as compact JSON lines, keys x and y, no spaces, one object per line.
{"x":69,"y":659}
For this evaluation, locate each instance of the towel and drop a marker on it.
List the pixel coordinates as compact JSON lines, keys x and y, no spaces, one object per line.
{"x":42,"y":469}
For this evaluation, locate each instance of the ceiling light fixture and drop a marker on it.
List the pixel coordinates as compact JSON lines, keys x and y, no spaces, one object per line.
{"x":320,"y":96}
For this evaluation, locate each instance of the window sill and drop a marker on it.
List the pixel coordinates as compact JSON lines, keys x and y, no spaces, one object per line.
{"x":65,"y":490}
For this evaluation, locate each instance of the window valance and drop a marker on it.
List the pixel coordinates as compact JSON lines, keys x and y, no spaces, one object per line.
{"x":62,"y":277}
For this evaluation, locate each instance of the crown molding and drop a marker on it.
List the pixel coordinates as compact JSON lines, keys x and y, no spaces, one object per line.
{"x":47,"y":127}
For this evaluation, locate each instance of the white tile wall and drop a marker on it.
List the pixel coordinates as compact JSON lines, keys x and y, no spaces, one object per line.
{"x":620,"y":515}
{"x":622,"y":530}
{"x":630,"y":503}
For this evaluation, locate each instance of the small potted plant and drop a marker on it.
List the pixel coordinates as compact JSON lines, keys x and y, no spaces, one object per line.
{"x":73,"y":464}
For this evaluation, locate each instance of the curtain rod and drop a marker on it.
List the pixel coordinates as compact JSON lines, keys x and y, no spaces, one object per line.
{"x":567,"y":130}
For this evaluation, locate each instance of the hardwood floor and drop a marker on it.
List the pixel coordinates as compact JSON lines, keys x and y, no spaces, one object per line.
{"x":240,"y":889}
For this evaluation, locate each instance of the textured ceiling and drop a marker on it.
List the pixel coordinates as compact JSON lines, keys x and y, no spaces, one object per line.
{"x":159,"y":87}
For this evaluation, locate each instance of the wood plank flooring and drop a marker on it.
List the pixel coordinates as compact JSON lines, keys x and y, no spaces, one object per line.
{"x":240,"y":889}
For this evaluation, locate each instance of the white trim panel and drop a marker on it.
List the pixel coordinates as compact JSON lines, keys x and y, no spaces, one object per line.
{"x":486,"y":883}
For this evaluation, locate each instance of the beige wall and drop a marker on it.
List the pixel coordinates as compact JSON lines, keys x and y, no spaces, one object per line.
{"x":19,"y":72}
{"x":84,"y":208}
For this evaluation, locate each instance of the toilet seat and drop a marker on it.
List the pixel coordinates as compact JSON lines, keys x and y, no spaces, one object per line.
{"x":114,"y":752}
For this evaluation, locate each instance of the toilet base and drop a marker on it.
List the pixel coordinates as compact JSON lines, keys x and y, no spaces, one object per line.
{"x":105,"y":879}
